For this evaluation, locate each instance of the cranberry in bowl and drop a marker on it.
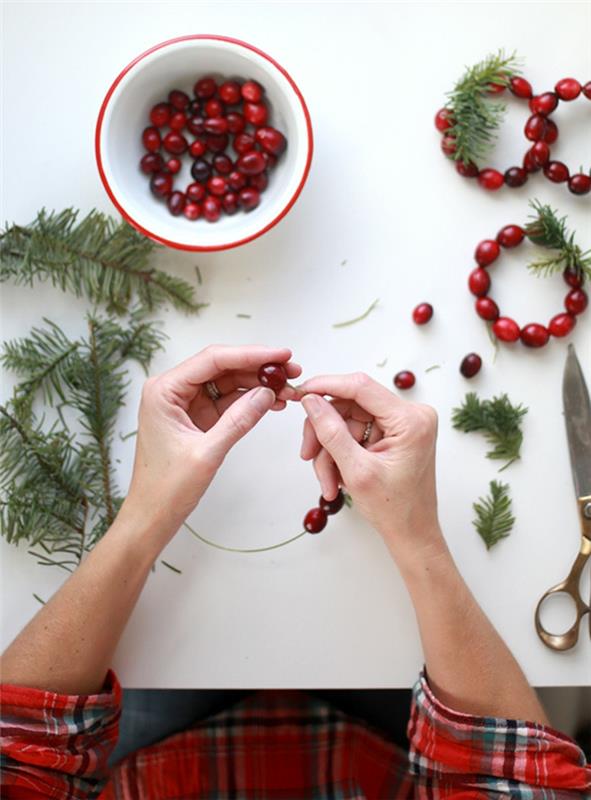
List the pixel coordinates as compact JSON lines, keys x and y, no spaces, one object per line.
{"x":203,"y":142}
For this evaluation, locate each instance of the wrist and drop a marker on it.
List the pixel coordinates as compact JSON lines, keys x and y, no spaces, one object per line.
{"x":147,"y":529}
{"x":420,"y":553}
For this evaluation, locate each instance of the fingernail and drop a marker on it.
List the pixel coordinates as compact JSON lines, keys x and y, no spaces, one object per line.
{"x":262,"y":398}
{"x":312,"y":404}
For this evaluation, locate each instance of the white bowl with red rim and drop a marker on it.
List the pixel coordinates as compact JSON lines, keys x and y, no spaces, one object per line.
{"x":178,"y":64}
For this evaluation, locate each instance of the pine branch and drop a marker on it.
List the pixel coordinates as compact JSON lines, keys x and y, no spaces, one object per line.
{"x":548,"y":230}
{"x":494,"y":520}
{"x":96,"y":258}
{"x":498,"y":419}
{"x":476,"y":118}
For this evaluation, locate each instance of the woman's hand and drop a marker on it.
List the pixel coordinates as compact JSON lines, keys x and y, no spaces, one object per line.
{"x":184,"y":434}
{"x":391,"y":478}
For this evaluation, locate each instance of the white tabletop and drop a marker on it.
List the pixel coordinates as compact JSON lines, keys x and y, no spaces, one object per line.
{"x":329,"y":610}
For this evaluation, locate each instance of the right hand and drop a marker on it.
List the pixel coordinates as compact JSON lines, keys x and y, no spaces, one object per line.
{"x":392,"y":478}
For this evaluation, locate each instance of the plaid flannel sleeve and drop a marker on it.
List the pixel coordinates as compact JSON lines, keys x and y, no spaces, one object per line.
{"x":56,"y":745}
{"x":461,"y":756}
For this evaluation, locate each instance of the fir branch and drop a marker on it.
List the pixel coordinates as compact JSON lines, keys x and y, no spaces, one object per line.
{"x":494,"y":520}
{"x":549,"y":230}
{"x":498,"y":419}
{"x":476,"y":118}
{"x":360,"y":318}
{"x":97,"y":258}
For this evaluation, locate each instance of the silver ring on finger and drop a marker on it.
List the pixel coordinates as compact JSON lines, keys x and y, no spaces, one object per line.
{"x":367,"y":433}
{"x":212,"y":390}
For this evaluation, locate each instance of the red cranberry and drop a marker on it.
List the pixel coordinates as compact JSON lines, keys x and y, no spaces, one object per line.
{"x":486,"y":252}
{"x":444,"y":119}
{"x":515,"y":176}
{"x":255,"y":113}
{"x":197,"y":148}
{"x":236,"y":122}
{"x":574,"y":277}
{"x":230,"y":203}
{"x":176,"y":203}
{"x":175,"y":143}
{"x":251,"y":163}
{"x":579,"y":183}
{"x":251,"y":91}
{"x":195,"y":192}
{"x":479,"y":282}
{"x":540,"y":153}
{"x":161,"y":184}
{"x":561,"y":325}
{"x":259,"y":182}
{"x":151,"y":139}
{"x":332,"y":506}
{"x":177,"y":121}
{"x":490,"y":179}
{"x":510,"y":236}
{"x":270,"y":159}
{"x":587,"y":90}
{"x":448,"y":145}
{"x":272,"y":375}
{"x":243,"y":143}
{"x":556,"y":171}
{"x":576,"y":301}
{"x":551,"y":134}
{"x":196,"y":126}
{"x":222,"y":164}
{"x":404,"y":379}
{"x":467,"y":169}
{"x":534,"y":335}
{"x":160,"y":114}
{"x":315,"y":520}
{"x":496,"y":88}
{"x":543,"y":103}
{"x":173,"y":165}
{"x":192,"y":211}
{"x":568,"y":89}
{"x":506,"y":329}
{"x":271,"y":140}
{"x":529,"y":162}
{"x":229,"y":91}
{"x":249,"y":198}
{"x":151,"y":162}
{"x":236,"y":180}
{"x":216,"y":142}
{"x":194,"y":109}
{"x":422,"y":313}
{"x":201,"y":170}
{"x":470,"y":365}
{"x":219,"y":125}
{"x":178,"y":99}
{"x":535,"y":127}
{"x":217,"y":185}
{"x":213,"y":108}
{"x":520,"y":87}
{"x":487,"y":309}
{"x":212,"y":208}
{"x":205,"y":88}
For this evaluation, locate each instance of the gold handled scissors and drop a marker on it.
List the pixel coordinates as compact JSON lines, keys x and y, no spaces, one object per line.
{"x":577,"y":414}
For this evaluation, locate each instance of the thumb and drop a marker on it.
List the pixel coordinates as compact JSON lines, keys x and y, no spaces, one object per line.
{"x":239,"y":419}
{"x":330,"y":429}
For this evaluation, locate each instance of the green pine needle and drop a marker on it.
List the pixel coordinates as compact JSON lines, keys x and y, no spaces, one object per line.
{"x":498,"y":419}
{"x":549,"y":230}
{"x":494,"y":520}
{"x":98,"y":258}
{"x":476,"y":116}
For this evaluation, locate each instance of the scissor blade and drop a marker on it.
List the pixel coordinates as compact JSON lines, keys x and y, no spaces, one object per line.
{"x":577,"y":415}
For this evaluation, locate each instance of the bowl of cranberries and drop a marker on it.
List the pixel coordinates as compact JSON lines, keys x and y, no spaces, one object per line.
{"x":203,"y":143}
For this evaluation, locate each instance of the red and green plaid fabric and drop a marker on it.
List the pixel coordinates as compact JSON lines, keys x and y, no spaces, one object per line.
{"x":280,"y":746}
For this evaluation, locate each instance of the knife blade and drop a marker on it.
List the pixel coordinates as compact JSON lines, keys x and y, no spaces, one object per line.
{"x":577,"y":416}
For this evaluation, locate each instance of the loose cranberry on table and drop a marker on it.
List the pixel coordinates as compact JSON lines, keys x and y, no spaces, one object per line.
{"x":273,"y":376}
{"x":315,"y":520}
{"x":470,"y":365}
{"x":422,"y":313}
{"x":404,"y":379}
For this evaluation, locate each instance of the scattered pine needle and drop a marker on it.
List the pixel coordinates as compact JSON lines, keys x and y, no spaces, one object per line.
{"x":126,"y":436}
{"x":343,"y":262}
{"x":199,"y":277}
{"x":174,"y":569}
{"x":361,"y":317}
{"x":38,"y":599}
{"x":434,"y":366}
{"x":382,"y":363}
{"x":244,"y":316}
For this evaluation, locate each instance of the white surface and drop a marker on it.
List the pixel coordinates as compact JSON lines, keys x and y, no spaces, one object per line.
{"x":148,"y":82}
{"x":329,"y":610}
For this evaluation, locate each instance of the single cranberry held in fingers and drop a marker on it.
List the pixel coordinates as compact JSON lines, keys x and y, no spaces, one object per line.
{"x":576,"y":301}
{"x":422,"y":313}
{"x":315,"y":520}
{"x":490,"y":179}
{"x":332,"y":506}
{"x":404,"y":379}
{"x":506,"y":329}
{"x":510,"y":236}
{"x":487,"y":309}
{"x":272,"y":375}
{"x":562,"y":324}
{"x":568,"y":89}
{"x":573,"y":277}
{"x":470,"y":365}
{"x":486,"y":252}
{"x":534,"y":335}
{"x":479,"y":282}
{"x":556,"y":171}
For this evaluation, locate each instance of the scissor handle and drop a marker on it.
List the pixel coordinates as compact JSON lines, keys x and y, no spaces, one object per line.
{"x":570,"y":586}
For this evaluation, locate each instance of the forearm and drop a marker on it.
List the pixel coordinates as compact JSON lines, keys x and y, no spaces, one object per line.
{"x":68,"y":646}
{"x":470,"y":668}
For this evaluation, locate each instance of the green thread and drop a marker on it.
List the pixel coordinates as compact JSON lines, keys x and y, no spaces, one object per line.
{"x":241,"y":549}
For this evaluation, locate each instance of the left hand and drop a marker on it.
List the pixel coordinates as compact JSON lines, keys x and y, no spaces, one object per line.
{"x":184,"y":434}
